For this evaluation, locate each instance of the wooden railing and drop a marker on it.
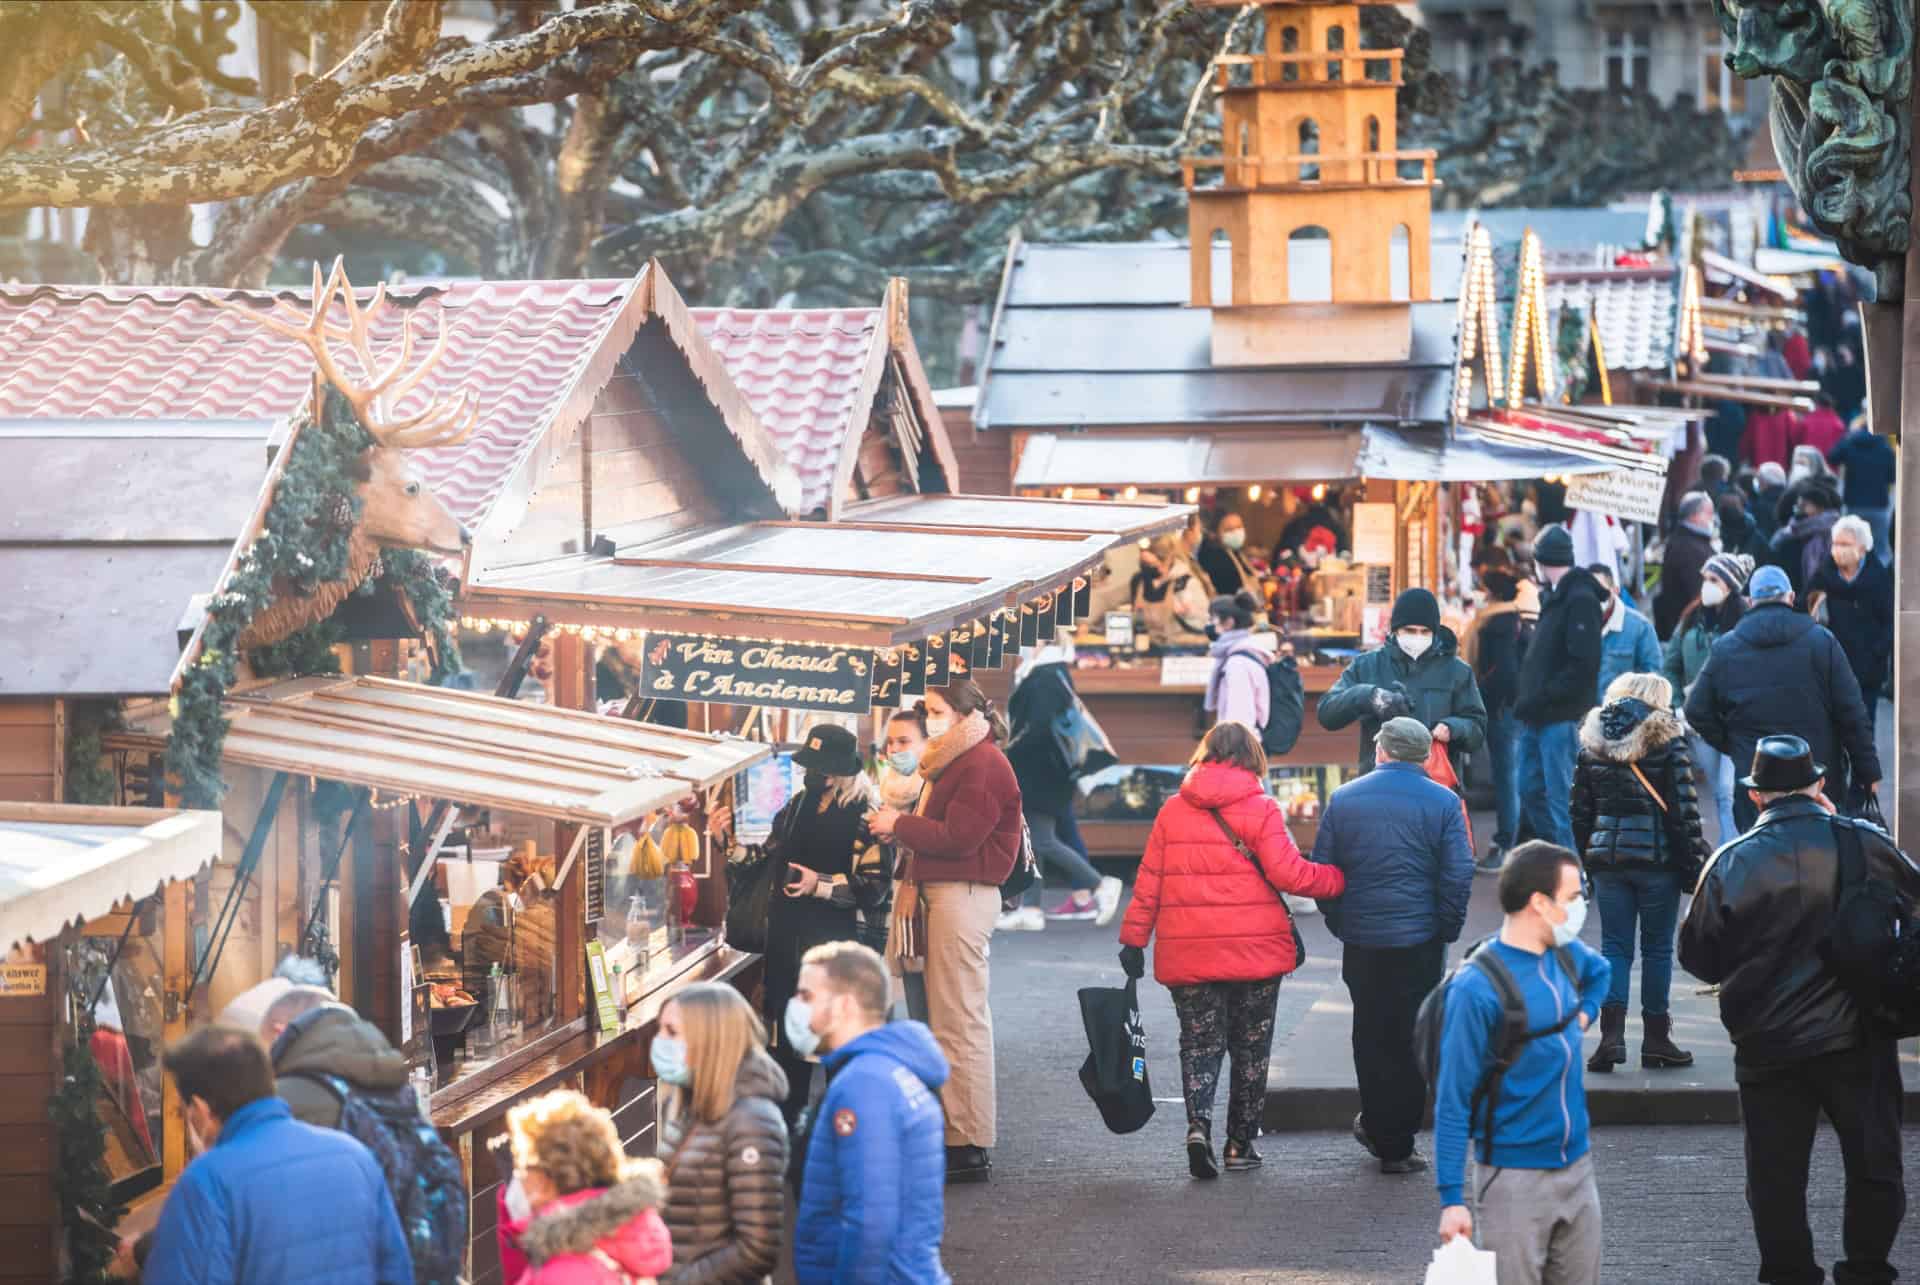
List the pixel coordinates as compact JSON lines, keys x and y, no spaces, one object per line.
{"x":1301,"y":70}
{"x":1311,"y":169}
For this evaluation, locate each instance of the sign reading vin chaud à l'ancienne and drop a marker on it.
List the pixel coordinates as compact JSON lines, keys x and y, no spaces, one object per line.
{"x":736,"y":671}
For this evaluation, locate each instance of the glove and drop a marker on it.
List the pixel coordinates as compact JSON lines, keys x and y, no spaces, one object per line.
{"x":1133,"y":961}
{"x":1390,"y":702}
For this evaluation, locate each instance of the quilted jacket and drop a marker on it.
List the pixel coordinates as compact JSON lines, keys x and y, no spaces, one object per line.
{"x":726,"y":1206}
{"x":1617,"y":825}
{"x":1214,"y":917}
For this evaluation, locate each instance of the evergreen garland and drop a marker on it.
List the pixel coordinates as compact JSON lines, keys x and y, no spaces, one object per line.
{"x":87,"y":779}
{"x":80,"y":1177}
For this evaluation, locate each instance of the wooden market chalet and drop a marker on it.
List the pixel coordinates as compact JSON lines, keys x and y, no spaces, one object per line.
{"x":752,"y":514}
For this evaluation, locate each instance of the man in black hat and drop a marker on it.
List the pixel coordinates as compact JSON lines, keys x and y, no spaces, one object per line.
{"x":1416,"y":673}
{"x":1558,"y":680}
{"x":1802,"y":1046}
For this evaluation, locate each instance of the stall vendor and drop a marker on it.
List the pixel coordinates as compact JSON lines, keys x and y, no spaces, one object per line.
{"x":1170,"y":593}
{"x":1223,"y":557}
{"x":1315,"y":532}
{"x":1417,"y":671}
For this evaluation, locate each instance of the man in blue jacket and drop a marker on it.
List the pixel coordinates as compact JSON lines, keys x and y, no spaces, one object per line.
{"x":1535,"y":1204}
{"x":872,"y":1207}
{"x":1401,"y":840}
{"x":270,"y":1201}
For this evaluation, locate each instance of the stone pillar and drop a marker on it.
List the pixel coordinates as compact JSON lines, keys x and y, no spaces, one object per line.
{"x":1902,"y":804}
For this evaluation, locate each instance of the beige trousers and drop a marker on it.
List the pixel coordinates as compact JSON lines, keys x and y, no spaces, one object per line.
{"x":959,"y":925}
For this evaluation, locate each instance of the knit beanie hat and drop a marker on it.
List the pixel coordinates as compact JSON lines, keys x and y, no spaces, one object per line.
{"x":1236,"y":607}
{"x":1730,"y":569}
{"x":1415,"y":607}
{"x":1553,"y":547}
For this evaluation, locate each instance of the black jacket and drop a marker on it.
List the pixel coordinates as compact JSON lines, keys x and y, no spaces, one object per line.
{"x":1046,"y":784}
{"x":1439,"y":686}
{"x":1755,"y":927}
{"x":1617,"y":825}
{"x":1860,"y":614}
{"x":1778,"y":672}
{"x":1229,"y":571}
{"x":1562,"y":665}
{"x":828,"y":841}
{"x":1497,"y":666}
{"x":1687,"y":554}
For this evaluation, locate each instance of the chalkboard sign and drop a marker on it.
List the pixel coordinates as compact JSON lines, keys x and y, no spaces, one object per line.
{"x":595,"y":859}
{"x":1379,"y":583}
{"x":959,"y":653}
{"x":886,"y":679}
{"x":735,"y":671}
{"x":1063,"y":606}
{"x":982,"y":657}
{"x":1043,"y":618}
{"x":1006,"y":637}
{"x":913,"y":670}
{"x":1082,"y":597}
{"x":939,"y":673}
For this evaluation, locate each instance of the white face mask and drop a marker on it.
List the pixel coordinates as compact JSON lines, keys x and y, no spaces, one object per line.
{"x":1712,"y":593}
{"x":1234,"y":539}
{"x":1564,"y":933}
{"x":939,"y":724}
{"x":1415,"y":645}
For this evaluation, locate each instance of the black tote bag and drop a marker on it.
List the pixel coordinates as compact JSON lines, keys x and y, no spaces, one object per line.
{"x":1115,"y":1072}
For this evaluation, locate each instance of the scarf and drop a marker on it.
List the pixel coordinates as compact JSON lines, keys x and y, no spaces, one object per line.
{"x":900,"y":792}
{"x":943,"y":749}
{"x":907,"y":920}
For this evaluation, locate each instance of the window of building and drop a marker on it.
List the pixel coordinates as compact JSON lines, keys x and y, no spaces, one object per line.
{"x":1220,"y":273}
{"x":1720,"y":89}
{"x":1309,"y":146}
{"x":1309,"y":265}
{"x":1336,"y":43}
{"x":1629,"y":58}
{"x":1290,"y":44}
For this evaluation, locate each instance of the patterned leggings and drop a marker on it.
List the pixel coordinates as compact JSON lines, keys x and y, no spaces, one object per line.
{"x":1218,"y":1019}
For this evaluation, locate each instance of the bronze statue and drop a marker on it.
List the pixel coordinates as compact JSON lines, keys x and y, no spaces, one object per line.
{"x":1842,"y":77}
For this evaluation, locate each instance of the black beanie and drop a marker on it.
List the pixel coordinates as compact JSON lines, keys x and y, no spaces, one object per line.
{"x":1415,"y":607}
{"x":1553,"y":547}
{"x":1236,"y":607}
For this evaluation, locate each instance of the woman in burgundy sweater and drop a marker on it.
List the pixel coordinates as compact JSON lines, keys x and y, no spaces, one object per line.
{"x":962,"y":844}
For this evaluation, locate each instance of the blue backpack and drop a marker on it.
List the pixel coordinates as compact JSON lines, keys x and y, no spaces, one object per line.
{"x":422,"y":1172}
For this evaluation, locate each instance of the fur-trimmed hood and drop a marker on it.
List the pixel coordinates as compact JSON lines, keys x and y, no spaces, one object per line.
{"x":574,"y":1225}
{"x":1627,"y":730}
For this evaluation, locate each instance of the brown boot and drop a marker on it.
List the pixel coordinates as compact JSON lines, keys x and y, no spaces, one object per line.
{"x":1657,"y":1049}
{"x":1613,"y":1039}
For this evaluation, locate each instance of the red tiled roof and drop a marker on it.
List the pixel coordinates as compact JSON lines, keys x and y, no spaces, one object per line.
{"x":801,"y":371}
{"x":153,"y":352}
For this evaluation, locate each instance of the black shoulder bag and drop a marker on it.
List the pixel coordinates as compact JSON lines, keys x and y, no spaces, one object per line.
{"x":1239,"y":846}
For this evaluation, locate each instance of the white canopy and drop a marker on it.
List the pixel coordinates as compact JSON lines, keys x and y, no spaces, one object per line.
{"x":61,"y":863}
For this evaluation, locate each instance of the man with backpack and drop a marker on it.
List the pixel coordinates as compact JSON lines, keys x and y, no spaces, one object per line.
{"x":337,"y":1071}
{"x":1500,"y":1041}
{"x":1772,"y":921}
{"x":1416,"y":672}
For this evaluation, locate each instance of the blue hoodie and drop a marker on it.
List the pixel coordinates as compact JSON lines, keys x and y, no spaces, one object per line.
{"x":1540,"y":1116}
{"x":873,"y":1204}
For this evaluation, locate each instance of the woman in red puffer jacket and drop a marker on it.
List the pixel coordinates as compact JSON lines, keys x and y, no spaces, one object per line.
{"x":1226,"y":937}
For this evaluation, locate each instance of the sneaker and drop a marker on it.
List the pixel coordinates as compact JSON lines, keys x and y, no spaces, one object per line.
{"x":1027,"y":919}
{"x":1241,"y":1157}
{"x":1415,"y":1163}
{"x":1360,"y":1133}
{"x":968,"y":1164}
{"x":1106,"y":900}
{"x":1490,"y":864}
{"x":1071,"y":909}
{"x":1200,"y":1161}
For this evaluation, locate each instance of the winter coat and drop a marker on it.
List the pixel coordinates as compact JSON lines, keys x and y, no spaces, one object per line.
{"x":1860,"y":614}
{"x":1685,"y":654}
{"x":726,"y":1204}
{"x":1801,"y":546}
{"x":1562,"y":663}
{"x":1868,"y":463}
{"x":1497,"y":649}
{"x":827,"y":842}
{"x":595,"y":1236}
{"x":332,"y":1040}
{"x":1229,"y":571}
{"x":872,"y":1206}
{"x":1687,"y":554}
{"x":1820,"y":429}
{"x":1213,"y":916}
{"x":1237,"y":690}
{"x":1046,"y":781}
{"x":249,"y":1210}
{"x":1617,"y":825}
{"x":1768,"y":438}
{"x":1778,"y":672}
{"x":1402,"y":842}
{"x":1439,"y":685}
{"x":969,"y":832}
{"x":1758,"y":917}
{"x":1629,"y":649}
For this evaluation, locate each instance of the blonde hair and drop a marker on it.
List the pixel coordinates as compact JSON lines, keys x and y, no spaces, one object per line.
{"x":567,"y":1138}
{"x":1235,"y":743}
{"x":722,"y":1031}
{"x":844,"y":791}
{"x":1654,"y":689}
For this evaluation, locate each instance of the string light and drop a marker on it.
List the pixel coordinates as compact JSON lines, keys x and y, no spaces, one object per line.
{"x":1066,"y":493}
{"x":1131,"y":493}
{"x":1253,"y":492}
{"x":1193,"y":495}
{"x":1529,"y":324}
{"x":1477,"y":337}
{"x":1319,"y":490}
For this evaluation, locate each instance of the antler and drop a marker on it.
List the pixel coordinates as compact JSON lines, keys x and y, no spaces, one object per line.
{"x":440,"y":424}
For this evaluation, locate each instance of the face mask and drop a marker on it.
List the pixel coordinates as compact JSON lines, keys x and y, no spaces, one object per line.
{"x":670,"y":1061}
{"x":1234,"y":539}
{"x":904,"y":761}
{"x":1564,"y":933}
{"x":939,"y":724}
{"x":1712,"y":593}
{"x":798,"y":1025}
{"x":1415,"y":645}
{"x":814,"y":781}
{"x":519,"y":1208}
{"x":1213,"y":632}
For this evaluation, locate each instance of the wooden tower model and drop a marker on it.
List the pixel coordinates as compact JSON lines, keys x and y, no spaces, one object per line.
{"x":1326,"y":223}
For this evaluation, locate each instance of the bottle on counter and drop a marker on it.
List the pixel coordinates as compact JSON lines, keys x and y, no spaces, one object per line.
{"x":639,"y":923}
{"x":481,"y":1036}
{"x":684,"y":894}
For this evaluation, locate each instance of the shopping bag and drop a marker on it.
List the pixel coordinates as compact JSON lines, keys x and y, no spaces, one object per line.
{"x":1080,"y":741}
{"x":1458,"y":1263}
{"x":749,"y":890}
{"x":1440,"y":768}
{"x":1115,"y":1072}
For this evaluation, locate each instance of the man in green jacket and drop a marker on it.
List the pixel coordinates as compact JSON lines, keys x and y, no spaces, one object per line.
{"x":1417,"y":672}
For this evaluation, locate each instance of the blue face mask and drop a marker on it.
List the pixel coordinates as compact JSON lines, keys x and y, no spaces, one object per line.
{"x":904,"y":761}
{"x":670,"y":1061}
{"x":797,"y":1024}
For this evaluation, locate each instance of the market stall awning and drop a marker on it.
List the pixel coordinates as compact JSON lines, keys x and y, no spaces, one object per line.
{"x":465,"y":747}
{"x":1113,"y":459}
{"x":892,"y":572}
{"x":60,"y":863}
{"x":1420,"y":456}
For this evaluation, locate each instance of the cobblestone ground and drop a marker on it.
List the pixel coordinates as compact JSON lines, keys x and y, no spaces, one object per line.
{"x":1071,"y":1202}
